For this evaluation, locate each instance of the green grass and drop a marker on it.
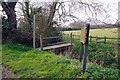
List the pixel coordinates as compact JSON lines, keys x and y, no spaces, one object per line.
{"x":108,"y":32}
{"x":101,"y":33}
{"x":27,"y":63}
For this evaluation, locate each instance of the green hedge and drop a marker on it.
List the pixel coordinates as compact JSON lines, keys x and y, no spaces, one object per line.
{"x":27,"y":63}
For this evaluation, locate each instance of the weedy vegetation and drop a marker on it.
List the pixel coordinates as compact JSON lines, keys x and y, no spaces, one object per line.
{"x":28,"y":63}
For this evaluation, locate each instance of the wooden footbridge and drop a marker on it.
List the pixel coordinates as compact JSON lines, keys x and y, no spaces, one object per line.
{"x":57,"y":48}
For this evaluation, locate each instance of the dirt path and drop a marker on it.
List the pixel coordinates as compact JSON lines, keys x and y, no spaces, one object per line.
{"x":7,"y":74}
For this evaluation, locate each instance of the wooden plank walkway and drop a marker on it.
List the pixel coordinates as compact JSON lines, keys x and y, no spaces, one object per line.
{"x":56,"y":46}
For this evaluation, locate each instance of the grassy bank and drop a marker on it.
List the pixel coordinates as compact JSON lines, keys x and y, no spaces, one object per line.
{"x":27,"y":63}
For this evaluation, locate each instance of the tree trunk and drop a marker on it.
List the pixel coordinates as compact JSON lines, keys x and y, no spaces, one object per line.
{"x":49,"y":26}
{"x":9,"y":7}
{"x":52,"y":13}
{"x":27,"y":14}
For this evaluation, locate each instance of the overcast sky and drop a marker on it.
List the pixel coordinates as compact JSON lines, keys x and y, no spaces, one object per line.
{"x":113,"y":12}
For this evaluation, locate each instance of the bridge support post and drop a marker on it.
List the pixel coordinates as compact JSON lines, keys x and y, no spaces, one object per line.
{"x":41,"y":46}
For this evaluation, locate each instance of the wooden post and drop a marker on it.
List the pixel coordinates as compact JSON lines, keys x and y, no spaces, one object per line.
{"x":96,"y":39}
{"x":41,"y":46}
{"x":84,"y":45}
{"x":105,"y":40}
{"x":71,"y":42}
{"x":90,"y":38}
{"x":85,"y":57}
{"x":81,"y":51}
{"x":34,"y":32}
{"x":67,"y":37}
{"x":71,"y":38}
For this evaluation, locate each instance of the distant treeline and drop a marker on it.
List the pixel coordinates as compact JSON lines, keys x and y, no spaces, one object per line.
{"x":91,"y":27}
{"x":70,"y":29}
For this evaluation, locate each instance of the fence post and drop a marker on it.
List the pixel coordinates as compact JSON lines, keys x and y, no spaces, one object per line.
{"x":96,"y":39}
{"x":34,"y":31}
{"x":105,"y":40}
{"x":71,"y":38}
{"x":41,"y":46}
{"x":67,"y":37}
{"x":63,"y":36}
{"x":90,"y":38}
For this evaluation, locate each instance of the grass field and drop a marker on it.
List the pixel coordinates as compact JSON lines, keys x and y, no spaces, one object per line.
{"x":108,"y":32}
{"x":27,"y":63}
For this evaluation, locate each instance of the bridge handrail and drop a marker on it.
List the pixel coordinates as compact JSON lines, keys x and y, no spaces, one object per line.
{"x":53,"y":37}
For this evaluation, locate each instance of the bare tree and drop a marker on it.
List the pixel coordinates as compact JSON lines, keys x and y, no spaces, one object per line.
{"x":72,"y":11}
